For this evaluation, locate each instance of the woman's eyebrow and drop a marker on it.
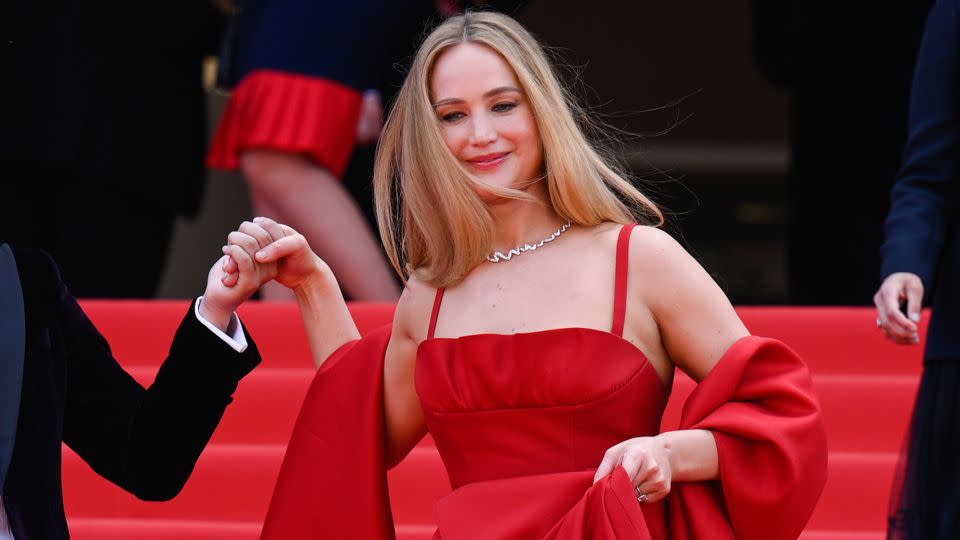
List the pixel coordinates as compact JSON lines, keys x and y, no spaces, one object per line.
{"x":489,"y":93}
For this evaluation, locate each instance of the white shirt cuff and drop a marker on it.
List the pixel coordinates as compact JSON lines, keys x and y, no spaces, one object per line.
{"x":235,"y":339}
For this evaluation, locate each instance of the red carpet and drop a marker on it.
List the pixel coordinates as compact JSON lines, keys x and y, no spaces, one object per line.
{"x":866,"y":386}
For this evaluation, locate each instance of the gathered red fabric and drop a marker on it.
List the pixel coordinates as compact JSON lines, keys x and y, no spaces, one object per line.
{"x":287,"y":112}
{"x":757,"y":401}
{"x":333,"y":480}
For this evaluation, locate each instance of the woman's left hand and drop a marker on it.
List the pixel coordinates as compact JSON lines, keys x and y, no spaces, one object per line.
{"x":647,"y":464}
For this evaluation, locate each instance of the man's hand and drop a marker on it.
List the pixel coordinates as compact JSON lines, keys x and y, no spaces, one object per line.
{"x":896,"y":289}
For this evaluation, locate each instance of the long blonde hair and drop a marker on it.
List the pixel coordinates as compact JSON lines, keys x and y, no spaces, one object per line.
{"x":432,"y":221}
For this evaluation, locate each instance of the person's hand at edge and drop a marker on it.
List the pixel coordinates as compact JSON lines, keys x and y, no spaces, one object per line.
{"x":898,"y":288}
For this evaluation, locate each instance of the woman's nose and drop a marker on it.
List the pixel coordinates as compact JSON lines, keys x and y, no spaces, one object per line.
{"x":482,"y":132}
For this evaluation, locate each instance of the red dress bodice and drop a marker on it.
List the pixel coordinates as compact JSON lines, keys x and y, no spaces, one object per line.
{"x":501,"y":406}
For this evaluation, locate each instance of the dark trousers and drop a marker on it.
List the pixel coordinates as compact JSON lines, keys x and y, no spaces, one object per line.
{"x":107,"y":242}
{"x":925,"y":502}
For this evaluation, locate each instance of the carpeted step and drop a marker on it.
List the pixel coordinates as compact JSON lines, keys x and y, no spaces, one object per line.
{"x":234,"y":483}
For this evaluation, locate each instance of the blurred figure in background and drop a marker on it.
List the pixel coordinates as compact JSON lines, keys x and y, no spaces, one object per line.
{"x":921,"y":257}
{"x":298,"y":112}
{"x":847,"y":67}
{"x":102,"y":133}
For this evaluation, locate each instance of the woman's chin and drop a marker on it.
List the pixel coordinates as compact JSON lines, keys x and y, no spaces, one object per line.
{"x":490,"y":197}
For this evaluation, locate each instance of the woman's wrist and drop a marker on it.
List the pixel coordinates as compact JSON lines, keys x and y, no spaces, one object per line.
{"x":692,"y":454}
{"x":319,"y":283}
{"x":666,"y":441}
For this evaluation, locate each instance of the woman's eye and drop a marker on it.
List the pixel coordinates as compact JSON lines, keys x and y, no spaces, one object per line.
{"x":504,"y":107}
{"x":452,"y":117}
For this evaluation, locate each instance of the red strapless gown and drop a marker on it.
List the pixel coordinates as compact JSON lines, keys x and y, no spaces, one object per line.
{"x":522,"y":422}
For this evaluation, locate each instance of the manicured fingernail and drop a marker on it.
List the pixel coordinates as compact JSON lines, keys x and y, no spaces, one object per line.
{"x":257,"y":219}
{"x":261,"y":255}
{"x":915,"y":317}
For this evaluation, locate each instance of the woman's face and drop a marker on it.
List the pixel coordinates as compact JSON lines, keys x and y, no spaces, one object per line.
{"x":484,"y":115}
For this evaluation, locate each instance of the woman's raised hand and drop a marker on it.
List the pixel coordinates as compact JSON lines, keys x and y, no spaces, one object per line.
{"x":647,"y":465}
{"x":275,"y":250}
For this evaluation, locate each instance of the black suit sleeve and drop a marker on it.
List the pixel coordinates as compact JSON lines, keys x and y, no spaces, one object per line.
{"x":924,"y":199}
{"x":146,"y":441}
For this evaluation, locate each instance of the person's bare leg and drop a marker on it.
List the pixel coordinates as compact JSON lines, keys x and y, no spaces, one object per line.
{"x":313,"y":201}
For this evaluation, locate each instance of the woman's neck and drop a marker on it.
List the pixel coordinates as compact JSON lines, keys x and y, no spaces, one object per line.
{"x":518,"y":222}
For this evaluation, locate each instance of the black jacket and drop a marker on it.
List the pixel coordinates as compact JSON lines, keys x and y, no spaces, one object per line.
{"x":145,"y":441}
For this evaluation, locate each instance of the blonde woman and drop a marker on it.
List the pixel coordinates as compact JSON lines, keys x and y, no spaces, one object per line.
{"x":536,"y":338}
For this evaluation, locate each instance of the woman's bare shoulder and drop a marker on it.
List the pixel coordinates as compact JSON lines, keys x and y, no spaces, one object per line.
{"x":651,"y":248}
{"x":654,"y":250}
{"x":662,"y":267}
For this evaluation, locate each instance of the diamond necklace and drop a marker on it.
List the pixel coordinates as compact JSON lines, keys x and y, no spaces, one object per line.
{"x":497,"y":256}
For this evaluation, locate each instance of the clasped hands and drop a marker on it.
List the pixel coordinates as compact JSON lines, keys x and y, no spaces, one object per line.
{"x":257,"y":252}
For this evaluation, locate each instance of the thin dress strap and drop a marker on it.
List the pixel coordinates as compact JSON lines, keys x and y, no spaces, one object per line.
{"x":436,"y":311}
{"x":620,"y":285}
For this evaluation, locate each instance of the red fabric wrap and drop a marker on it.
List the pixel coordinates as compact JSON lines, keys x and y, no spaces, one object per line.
{"x":333,"y":481}
{"x":758,"y":401}
{"x":292,"y":113}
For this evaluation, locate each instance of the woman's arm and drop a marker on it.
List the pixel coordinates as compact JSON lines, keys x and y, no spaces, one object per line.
{"x":326,"y":319}
{"x":404,"y":415}
{"x":697,"y":324}
{"x":329,"y":325}
{"x":696,"y":321}
{"x":692,"y":454}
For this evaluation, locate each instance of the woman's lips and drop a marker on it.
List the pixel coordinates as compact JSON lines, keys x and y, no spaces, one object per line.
{"x":489,"y":161}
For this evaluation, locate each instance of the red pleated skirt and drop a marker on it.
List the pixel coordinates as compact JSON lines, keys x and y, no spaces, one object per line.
{"x":287,"y":112}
